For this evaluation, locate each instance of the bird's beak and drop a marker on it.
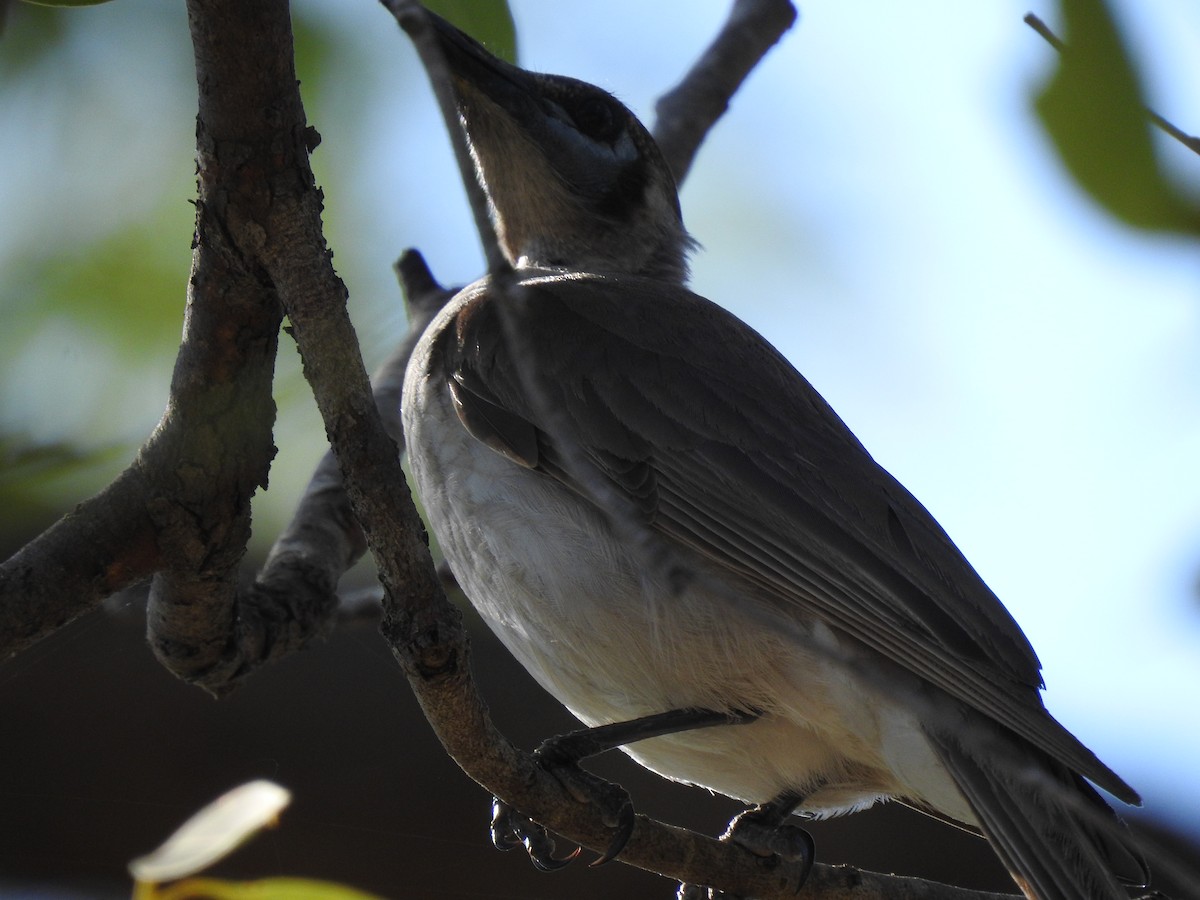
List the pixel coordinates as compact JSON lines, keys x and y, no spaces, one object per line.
{"x":477,"y":74}
{"x":532,"y":173}
{"x":570,"y":173}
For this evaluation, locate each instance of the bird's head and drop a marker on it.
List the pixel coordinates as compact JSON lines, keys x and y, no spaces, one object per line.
{"x":573,"y":178}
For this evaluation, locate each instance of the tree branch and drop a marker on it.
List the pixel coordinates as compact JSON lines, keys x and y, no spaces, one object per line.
{"x":323,"y":538}
{"x":182,"y":509}
{"x":687,"y":112}
{"x":102,"y":546}
{"x":183,"y":506}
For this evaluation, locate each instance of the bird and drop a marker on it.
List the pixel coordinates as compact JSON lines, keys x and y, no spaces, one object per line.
{"x":680,"y":540}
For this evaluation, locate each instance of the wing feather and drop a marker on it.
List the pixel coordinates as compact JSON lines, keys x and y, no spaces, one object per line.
{"x":749,"y":467}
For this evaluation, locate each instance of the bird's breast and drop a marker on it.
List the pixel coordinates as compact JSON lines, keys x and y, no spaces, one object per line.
{"x":588,"y":618}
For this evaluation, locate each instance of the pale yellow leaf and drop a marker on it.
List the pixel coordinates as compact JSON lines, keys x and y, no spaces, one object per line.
{"x":213,"y":833}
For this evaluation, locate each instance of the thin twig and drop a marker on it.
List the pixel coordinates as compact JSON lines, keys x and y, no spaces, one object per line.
{"x":1190,"y":141}
{"x":1044,"y":30}
{"x":323,"y":531}
{"x":294,"y":598}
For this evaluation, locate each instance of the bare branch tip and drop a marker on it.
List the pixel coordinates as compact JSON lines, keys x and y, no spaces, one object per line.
{"x":413,"y":272}
{"x":422,"y":291}
{"x":1044,"y":30}
{"x":792,"y":13}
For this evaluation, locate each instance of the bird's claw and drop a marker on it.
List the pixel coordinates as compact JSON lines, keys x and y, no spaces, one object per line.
{"x":505,"y":830}
{"x":624,"y":823}
{"x":762,"y":834}
{"x":512,"y":829}
{"x":787,"y":848}
{"x":616,"y":809}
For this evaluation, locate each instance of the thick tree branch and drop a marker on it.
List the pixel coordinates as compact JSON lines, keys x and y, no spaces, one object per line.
{"x":183,"y":507}
{"x":105,"y":544}
{"x":246,"y":164}
{"x":294,"y":596}
{"x":206,"y":468}
{"x":255,"y":184}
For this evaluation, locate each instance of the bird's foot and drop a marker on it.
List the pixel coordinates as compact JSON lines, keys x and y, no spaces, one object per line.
{"x":511,"y":828}
{"x":560,"y":756}
{"x":764,"y":830}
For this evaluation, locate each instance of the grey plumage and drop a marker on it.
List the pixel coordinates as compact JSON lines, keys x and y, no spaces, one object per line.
{"x":654,"y":510}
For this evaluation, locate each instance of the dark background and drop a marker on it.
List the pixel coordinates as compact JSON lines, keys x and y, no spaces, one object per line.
{"x":104,"y":753}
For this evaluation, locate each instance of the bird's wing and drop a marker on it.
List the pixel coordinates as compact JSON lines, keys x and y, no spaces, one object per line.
{"x":645,"y":396}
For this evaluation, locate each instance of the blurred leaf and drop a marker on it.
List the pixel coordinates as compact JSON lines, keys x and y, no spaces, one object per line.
{"x":314,"y":47}
{"x":29,"y":33}
{"x":1094,"y":112}
{"x":129,"y":287}
{"x":122,"y":298}
{"x":32,"y":475}
{"x":65,"y":2}
{"x":209,"y":836}
{"x":488,"y":21}
{"x":264,"y":889}
{"x":22,"y":462}
{"x":214,"y":832}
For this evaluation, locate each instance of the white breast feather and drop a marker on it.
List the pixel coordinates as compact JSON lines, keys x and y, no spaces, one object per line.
{"x":544,"y":570}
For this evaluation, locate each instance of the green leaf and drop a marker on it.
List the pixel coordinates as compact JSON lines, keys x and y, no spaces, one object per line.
{"x":315,"y":45}
{"x":1093,"y":110}
{"x":29,"y":36}
{"x":26,"y":466}
{"x":65,"y":2}
{"x":263,"y":889}
{"x":38,"y":479}
{"x":488,"y":21}
{"x":129,"y":286}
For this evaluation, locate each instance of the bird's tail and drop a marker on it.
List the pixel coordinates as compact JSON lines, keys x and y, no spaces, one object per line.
{"x":1058,"y":838}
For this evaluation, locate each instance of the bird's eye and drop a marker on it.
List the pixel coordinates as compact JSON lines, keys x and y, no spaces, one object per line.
{"x":594,"y":117}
